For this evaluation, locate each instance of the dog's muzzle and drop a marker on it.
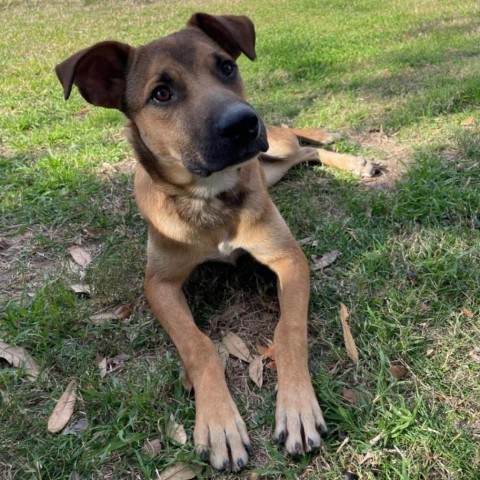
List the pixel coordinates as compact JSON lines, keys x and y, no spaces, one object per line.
{"x":236,"y":135}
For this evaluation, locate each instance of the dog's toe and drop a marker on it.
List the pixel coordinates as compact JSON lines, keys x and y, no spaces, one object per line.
{"x":365,"y":168}
{"x":299,"y":421}
{"x":221,"y":437}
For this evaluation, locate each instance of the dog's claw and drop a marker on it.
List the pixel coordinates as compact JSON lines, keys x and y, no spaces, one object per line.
{"x":297,"y":417}
{"x":202,"y":453}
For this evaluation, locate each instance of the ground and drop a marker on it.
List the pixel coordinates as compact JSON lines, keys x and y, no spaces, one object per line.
{"x":400,"y":81}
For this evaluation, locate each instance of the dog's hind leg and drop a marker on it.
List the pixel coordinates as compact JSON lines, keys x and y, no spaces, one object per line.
{"x":285,"y":152}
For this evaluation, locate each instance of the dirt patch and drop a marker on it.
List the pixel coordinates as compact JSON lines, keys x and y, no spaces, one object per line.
{"x":392,"y":156}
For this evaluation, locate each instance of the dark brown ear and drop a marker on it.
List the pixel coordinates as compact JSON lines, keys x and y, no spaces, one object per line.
{"x":235,"y":34}
{"x":99,"y":72}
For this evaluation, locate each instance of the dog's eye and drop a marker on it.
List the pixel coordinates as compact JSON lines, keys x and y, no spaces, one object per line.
{"x":228,"y":69}
{"x":161,"y":94}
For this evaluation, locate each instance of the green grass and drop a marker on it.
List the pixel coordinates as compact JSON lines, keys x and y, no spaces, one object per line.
{"x":398,"y":78}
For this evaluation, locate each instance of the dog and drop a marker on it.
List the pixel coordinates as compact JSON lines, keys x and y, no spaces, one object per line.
{"x":205,"y":159}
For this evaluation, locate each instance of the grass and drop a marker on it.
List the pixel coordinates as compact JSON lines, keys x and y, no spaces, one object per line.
{"x":400,"y":79}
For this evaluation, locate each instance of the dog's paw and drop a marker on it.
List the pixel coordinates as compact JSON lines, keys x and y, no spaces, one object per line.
{"x":299,"y":420}
{"x":221,"y":435}
{"x":365,"y":168}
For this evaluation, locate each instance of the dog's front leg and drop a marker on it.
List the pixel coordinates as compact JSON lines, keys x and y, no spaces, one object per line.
{"x":299,"y":419}
{"x":220,"y":433}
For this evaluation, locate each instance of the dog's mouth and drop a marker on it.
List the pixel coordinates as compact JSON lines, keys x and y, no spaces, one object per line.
{"x":216,"y":165}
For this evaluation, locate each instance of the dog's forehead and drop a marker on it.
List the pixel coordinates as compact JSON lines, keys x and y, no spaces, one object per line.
{"x":187,"y":48}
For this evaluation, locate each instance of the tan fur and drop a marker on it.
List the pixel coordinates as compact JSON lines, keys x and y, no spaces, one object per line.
{"x":193,"y":218}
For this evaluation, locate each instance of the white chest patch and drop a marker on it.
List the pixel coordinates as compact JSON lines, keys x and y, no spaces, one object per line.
{"x":226,"y":252}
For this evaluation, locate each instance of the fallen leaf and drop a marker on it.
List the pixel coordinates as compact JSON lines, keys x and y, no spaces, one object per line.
{"x":152,"y":447}
{"x":176,"y":431}
{"x":63,"y":409}
{"x":237,"y":347}
{"x":467,"y":312}
{"x":178,"y":471}
{"x":398,"y":371}
{"x":468,"y":121}
{"x":124,"y":311}
{"x":347,"y":335}
{"x":319,"y":263}
{"x":255,"y":371}
{"x":120,"y":313}
{"x":350,"y":396}
{"x":430,"y":352}
{"x":76,"y":428}
{"x":305,"y":241}
{"x":18,"y":357}
{"x":222,"y":353}
{"x":268,"y":351}
{"x":271,"y":365}
{"x":102,"y":365}
{"x":120,"y":358}
{"x":81,"y":256}
{"x":81,"y":288}
{"x":102,"y":317}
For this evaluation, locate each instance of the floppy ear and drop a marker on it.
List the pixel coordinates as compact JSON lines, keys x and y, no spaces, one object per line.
{"x":234,"y":33}
{"x":99,"y":72}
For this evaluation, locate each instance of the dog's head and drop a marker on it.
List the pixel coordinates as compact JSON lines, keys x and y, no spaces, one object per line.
{"x":183,"y":94}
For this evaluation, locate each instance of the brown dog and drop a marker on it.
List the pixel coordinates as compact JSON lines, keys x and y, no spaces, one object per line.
{"x":201,"y":185}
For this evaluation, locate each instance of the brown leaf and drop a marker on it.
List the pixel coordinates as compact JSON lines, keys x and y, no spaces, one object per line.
{"x":81,"y":288}
{"x":237,"y":347}
{"x":102,"y":317}
{"x":102,"y":365}
{"x":178,"y":471}
{"x":63,"y":409}
{"x":350,"y":395}
{"x":347,"y":335}
{"x":319,"y":263}
{"x":468,"y":121}
{"x":18,"y":357}
{"x":81,"y":256}
{"x":152,"y":447}
{"x":222,"y":353}
{"x":268,"y":351}
{"x":120,"y":313}
{"x":124,"y":311}
{"x":255,"y":371}
{"x":176,"y":431}
{"x":398,"y":371}
{"x":467,"y":312}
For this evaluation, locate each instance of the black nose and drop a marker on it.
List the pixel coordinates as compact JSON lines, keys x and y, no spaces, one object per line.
{"x":238,"y":122}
